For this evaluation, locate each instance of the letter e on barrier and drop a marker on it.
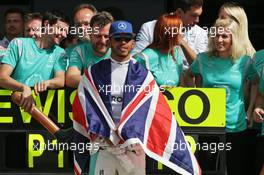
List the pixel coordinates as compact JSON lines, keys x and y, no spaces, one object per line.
{"x":5,"y":105}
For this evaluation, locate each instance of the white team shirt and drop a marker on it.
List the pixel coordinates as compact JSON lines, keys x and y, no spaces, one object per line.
{"x":118,"y":78}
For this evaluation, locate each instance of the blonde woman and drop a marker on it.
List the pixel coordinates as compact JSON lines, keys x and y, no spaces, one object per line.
{"x":226,"y":66}
{"x":237,"y":13}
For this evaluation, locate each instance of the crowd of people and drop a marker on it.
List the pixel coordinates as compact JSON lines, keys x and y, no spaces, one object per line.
{"x":42,"y":52}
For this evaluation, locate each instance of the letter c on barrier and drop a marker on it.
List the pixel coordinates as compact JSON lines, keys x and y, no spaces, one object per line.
{"x":181,"y":106}
{"x":168,"y":94}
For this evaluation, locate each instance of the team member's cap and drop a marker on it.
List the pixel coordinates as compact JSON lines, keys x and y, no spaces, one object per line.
{"x":121,"y":28}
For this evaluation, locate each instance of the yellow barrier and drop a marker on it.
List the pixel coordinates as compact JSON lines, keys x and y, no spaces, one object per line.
{"x":192,"y":107}
{"x":198,"y":107}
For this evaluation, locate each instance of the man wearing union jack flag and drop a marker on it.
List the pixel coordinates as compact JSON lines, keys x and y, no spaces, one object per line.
{"x":120,"y":108}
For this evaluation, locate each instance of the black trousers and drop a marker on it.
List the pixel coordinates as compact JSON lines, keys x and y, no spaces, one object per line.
{"x":237,"y":157}
{"x":260,"y":153}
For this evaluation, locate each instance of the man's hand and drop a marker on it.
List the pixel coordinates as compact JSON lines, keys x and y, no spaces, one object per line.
{"x":181,"y":39}
{"x":27,"y":102}
{"x":136,"y":148}
{"x":188,"y":52}
{"x":258,"y":112}
{"x":41,"y":87}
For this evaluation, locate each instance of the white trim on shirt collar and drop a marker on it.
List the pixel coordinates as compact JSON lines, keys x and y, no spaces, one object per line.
{"x":117,"y":62}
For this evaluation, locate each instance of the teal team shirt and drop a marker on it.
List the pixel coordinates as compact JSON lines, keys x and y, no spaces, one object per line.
{"x":259,"y":67}
{"x":223,"y":73}
{"x":67,"y":55}
{"x":165,"y":70}
{"x":32,"y":64}
{"x":82,"y":56}
{"x":2,"y":53}
{"x":68,"y":51}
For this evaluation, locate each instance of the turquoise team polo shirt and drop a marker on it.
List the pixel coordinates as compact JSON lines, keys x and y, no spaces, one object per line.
{"x":259,"y":66}
{"x":2,"y":53}
{"x":165,"y":70}
{"x":223,"y":73}
{"x":82,"y":56}
{"x":32,"y":64}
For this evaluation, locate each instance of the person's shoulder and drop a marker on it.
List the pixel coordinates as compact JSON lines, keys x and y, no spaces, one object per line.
{"x":57,"y":48}
{"x":24,"y":39}
{"x":102,"y":62}
{"x":149,"y":24}
{"x":258,"y":57}
{"x":260,"y":53}
{"x":150,"y":51}
{"x":21,"y":42}
{"x":151,"y":54}
{"x":246,"y":59}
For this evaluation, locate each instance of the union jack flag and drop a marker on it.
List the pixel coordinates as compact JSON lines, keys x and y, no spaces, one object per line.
{"x":146,"y":118}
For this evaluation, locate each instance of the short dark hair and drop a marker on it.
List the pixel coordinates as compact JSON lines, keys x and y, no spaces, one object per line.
{"x":14,"y":10}
{"x":101,"y":19}
{"x":33,"y":16}
{"x":186,"y":5}
{"x":54,"y":16}
{"x":84,"y":6}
